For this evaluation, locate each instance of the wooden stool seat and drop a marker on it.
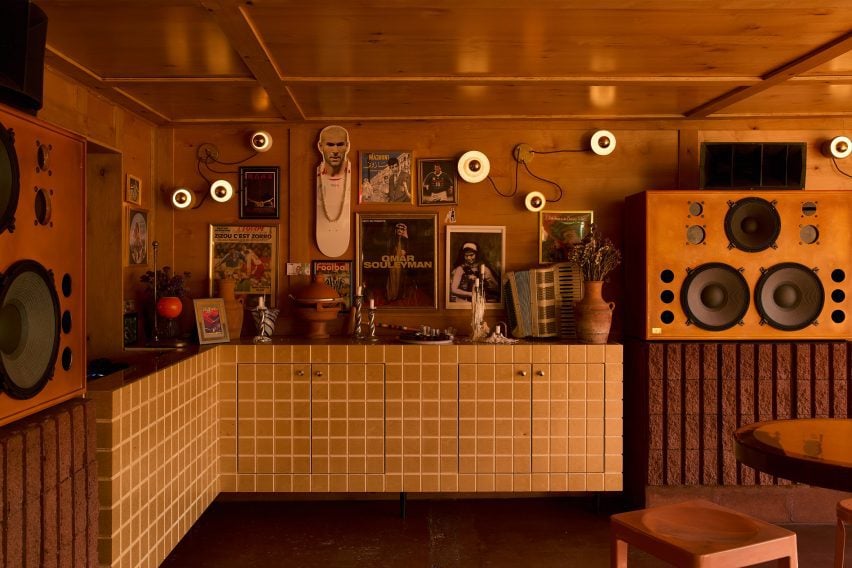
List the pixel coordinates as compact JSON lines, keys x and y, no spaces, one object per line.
{"x":844,"y":515}
{"x":700,"y":534}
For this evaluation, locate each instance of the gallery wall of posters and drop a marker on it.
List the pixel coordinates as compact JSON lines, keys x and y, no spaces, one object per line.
{"x":396,"y":257}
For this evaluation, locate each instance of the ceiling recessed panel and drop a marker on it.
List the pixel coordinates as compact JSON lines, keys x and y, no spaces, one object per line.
{"x":237,"y":101}
{"x":540,"y":100}
{"x":141,"y":39}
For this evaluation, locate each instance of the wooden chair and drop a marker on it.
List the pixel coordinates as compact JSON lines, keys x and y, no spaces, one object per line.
{"x":844,"y":515}
{"x":700,"y":534}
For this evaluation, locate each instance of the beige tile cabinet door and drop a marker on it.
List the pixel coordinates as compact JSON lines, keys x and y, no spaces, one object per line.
{"x":495,"y":417}
{"x":568,"y":421}
{"x":273,"y":418}
{"x":347,"y":418}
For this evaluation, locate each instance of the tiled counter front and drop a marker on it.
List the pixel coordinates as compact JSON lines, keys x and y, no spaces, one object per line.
{"x":390,"y":418}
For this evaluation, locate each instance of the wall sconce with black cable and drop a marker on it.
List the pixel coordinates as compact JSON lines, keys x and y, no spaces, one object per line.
{"x":474,"y":167}
{"x":838,"y":148}
{"x":220,"y":190}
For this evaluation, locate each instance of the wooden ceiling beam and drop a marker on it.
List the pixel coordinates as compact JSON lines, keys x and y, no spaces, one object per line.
{"x":236,"y":24}
{"x":810,"y":60}
{"x":61,"y":63}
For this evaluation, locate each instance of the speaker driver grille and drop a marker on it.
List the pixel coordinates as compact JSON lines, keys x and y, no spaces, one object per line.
{"x":10,"y":180}
{"x":752,"y":224}
{"x":714,"y":296}
{"x":789,"y":296}
{"x":29,"y":328}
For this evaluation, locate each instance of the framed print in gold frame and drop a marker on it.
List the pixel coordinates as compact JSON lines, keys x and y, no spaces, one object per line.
{"x":211,"y":320}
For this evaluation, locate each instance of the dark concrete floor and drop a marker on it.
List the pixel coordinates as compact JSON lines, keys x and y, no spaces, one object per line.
{"x":435,"y":533}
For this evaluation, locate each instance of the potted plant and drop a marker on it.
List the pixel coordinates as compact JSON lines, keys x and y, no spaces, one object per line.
{"x":170,"y":289}
{"x":597,"y":257}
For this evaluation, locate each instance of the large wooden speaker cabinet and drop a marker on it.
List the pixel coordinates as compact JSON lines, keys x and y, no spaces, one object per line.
{"x":739,"y":265}
{"x":42,"y":265}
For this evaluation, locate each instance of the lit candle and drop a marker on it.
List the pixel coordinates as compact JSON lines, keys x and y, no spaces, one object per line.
{"x":360,"y":290}
{"x":261,"y":303}
{"x":372,"y":304}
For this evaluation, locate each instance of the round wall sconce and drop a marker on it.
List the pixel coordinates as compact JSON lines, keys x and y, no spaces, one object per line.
{"x":221,"y":190}
{"x":474,"y":166}
{"x":603,"y":142}
{"x":182,"y":198}
{"x":838,"y":147}
{"x":534,"y":201}
{"x":261,"y":141}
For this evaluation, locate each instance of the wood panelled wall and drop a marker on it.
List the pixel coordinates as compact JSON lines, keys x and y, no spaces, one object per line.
{"x":650,"y":154}
{"x":687,"y":399}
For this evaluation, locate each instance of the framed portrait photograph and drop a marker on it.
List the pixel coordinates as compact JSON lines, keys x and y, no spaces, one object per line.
{"x":133,"y":191}
{"x":437,"y":183}
{"x":474,"y":253}
{"x":259,"y":192}
{"x":559,"y":230}
{"x":385,"y":177}
{"x":338,"y":275}
{"x":211,"y":320}
{"x":396,"y":257}
{"x":137,"y":236}
{"x":248,"y":254}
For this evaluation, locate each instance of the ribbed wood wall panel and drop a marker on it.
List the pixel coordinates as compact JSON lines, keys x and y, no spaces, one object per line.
{"x":686,"y":400}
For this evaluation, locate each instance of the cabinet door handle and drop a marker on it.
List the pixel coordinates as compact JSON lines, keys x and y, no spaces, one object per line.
{"x":319,"y":373}
{"x":522,"y":373}
{"x":540,"y":373}
{"x":300,"y":373}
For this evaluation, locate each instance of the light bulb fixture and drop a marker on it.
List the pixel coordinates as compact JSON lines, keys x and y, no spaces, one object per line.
{"x":534,"y":201}
{"x":839,"y":147}
{"x":261,"y":141}
{"x":474,"y":166}
{"x":182,"y":198}
{"x":603,"y":142}
{"x":221,"y":190}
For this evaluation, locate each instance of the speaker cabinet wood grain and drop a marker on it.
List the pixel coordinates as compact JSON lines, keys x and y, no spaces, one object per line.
{"x":42,"y":289}
{"x":738,"y":265}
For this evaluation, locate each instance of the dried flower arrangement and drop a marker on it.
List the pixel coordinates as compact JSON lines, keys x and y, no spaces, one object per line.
{"x":168,"y":284}
{"x":595,"y":255}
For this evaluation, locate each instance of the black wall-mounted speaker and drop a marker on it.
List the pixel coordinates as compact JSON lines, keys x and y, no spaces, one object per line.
{"x":23,"y":32}
{"x":747,"y":165}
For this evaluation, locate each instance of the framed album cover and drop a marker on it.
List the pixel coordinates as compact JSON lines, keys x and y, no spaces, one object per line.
{"x":259,"y":192}
{"x":248,"y":254}
{"x":559,"y":231}
{"x":437,"y":183}
{"x":385,"y":177}
{"x":338,"y":275}
{"x":474,"y":253}
{"x":397,"y":257}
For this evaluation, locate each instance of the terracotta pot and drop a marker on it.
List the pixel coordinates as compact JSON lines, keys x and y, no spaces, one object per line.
{"x":169,"y":307}
{"x":317,"y":304}
{"x":234,"y":308}
{"x":594,"y":314}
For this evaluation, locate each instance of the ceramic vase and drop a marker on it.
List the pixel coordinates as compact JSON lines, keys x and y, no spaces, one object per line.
{"x":593,"y":313}
{"x":234,"y":308}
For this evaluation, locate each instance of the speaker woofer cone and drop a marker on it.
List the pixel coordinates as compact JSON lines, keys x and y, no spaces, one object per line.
{"x":10,"y":180}
{"x":714,"y":296}
{"x":752,"y":224}
{"x":789,"y":296}
{"x":29,"y":328}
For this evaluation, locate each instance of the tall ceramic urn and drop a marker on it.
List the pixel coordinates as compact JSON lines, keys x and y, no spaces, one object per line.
{"x":234,"y":308}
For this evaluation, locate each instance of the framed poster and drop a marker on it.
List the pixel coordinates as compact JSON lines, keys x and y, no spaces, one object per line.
{"x":248,"y":254}
{"x":559,"y":231}
{"x":437,"y":183}
{"x":338,"y":275}
{"x":385,"y":177}
{"x":137,"y":236}
{"x":397,"y":258}
{"x":259,"y":192}
{"x":133,"y":191}
{"x":474,"y":253}
{"x":211,"y":320}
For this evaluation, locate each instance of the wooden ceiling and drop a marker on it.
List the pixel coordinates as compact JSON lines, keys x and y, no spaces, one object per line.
{"x":195,"y":61}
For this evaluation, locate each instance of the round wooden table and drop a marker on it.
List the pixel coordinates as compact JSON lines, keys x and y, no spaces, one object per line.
{"x":815,"y":451}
